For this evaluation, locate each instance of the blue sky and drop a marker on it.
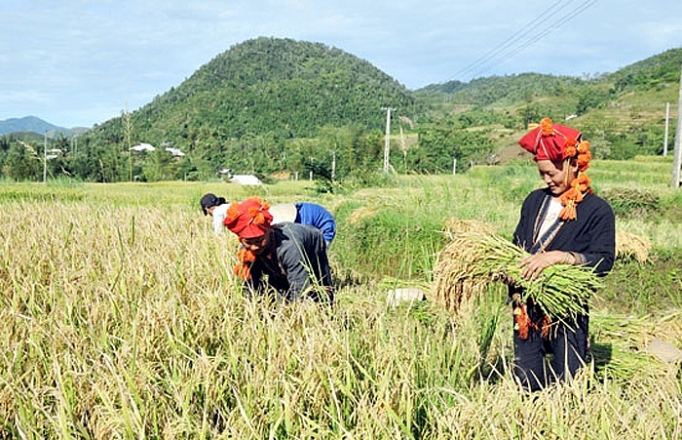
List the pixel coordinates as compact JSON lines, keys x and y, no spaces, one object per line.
{"x":80,"y":62}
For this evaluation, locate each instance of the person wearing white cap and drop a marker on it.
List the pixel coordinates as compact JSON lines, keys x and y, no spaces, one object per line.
{"x":306,"y":213}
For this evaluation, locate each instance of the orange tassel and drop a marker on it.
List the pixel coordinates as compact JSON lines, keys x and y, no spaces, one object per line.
{"x":521,"y":321}
{"x":547,"y":126}
{"x":570,"y":150}
{"x":243,"y":269}
{"x":583,"y":147}
{"x":584,"y":161}
{"x":523,"y":324}
{"x":232,"y":212}
{"x":574,"y":195}
{"x":246,"y":255}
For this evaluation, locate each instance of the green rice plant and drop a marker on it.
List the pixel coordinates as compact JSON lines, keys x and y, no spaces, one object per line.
{"x":560,"y":290}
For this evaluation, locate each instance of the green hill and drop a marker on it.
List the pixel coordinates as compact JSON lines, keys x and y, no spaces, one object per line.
{"x":622,"y":113}
{"x":267,"y":85}
{"x":243,"y":109}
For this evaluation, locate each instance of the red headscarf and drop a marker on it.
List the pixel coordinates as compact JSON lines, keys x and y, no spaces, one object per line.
{"x":248,"y":219}
{"x":551,"y":141}
{"x":559,"y":143}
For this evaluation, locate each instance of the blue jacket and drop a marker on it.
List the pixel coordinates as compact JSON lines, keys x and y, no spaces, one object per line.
{"x":315,"y":215}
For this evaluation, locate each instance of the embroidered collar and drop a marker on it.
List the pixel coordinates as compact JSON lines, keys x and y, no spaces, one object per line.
{"x":541,"y":242}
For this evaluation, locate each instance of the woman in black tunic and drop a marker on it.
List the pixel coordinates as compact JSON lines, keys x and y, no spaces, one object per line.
{"x":564,"y":223}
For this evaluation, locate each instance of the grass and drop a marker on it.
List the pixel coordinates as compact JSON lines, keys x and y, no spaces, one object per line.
{"x":121,"y":318}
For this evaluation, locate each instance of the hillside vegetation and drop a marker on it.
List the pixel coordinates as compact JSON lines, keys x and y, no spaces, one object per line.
{"x":622,"y":113}
{"x":280,"y":107}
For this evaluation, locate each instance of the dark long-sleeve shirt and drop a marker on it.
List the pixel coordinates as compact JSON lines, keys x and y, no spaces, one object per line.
{"x":592,"y":234}
{"x":297,"y":266}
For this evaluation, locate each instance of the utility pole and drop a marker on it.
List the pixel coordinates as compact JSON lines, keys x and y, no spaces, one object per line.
{"x":667,"y":123}
{"x":387,"y":143}
{"x":45,"y":159}
{"x":677,"y":155}
{"x":127,"y":131}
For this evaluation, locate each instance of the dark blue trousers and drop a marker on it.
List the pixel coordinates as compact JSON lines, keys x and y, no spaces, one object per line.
{"x":567,"y":342}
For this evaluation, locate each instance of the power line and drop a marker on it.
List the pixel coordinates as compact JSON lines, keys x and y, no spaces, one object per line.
{"x":525,"y":30}
{"x":526,"y":36}
{"x":558,"y":23}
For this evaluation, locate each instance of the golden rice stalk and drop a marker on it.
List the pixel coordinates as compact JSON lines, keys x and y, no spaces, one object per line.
{"x":473,"y":260}
{"x":455,"y":226}
{"x":632,"y":246}
{"x":360,"y":214}
{"x":455,"y":278}
{"x":625,"y":356}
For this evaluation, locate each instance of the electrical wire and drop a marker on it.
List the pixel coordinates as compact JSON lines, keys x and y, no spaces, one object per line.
{"x":525,"y":37}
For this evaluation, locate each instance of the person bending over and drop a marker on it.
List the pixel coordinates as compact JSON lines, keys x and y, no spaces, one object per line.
{"x":306,"y":213}
{"x":290,"y":258}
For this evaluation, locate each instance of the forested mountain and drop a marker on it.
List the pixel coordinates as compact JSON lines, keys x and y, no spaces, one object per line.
{"x":622,"y":113}
{"x":662,"y":70}
{"x":243,"y":109}
{"x":282,"y":87}
{"x":279,"y":106}
{"x":500,"y":89}
{"x":31,"y":124}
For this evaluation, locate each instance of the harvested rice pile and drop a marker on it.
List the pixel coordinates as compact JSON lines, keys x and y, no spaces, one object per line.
{"x":467,"y":266}
{"x":632,"y":246}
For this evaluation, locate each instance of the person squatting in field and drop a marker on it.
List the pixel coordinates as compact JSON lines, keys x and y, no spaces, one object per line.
{"x":293,"y":256}
{"x":306,"y":213}
{"x":563,"y":223}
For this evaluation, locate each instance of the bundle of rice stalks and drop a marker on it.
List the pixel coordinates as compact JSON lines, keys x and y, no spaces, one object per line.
{"x":631,"y":202}
{"x":632,"y":246}
{"x":456,"y":278}
{"x":455,"y":226}
{"x":629,"y":331}
{"x":472,"y":261}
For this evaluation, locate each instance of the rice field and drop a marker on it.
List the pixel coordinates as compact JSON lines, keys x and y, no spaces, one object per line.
{"x":121,"y":318}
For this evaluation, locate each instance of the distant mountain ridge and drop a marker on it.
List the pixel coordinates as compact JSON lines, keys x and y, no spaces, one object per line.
{"x":33,"y":124}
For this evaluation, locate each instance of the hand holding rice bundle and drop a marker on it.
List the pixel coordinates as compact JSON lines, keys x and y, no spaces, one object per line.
{"x":474,"y":260}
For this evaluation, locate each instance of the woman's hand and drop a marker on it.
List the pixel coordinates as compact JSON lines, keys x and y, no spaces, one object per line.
{"x":533,"y":266}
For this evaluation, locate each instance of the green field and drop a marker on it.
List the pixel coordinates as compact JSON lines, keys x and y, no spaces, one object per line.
{"x":121,"y":318}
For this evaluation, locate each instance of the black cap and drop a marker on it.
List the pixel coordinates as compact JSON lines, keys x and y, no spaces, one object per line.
{"x":207,"y":201}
